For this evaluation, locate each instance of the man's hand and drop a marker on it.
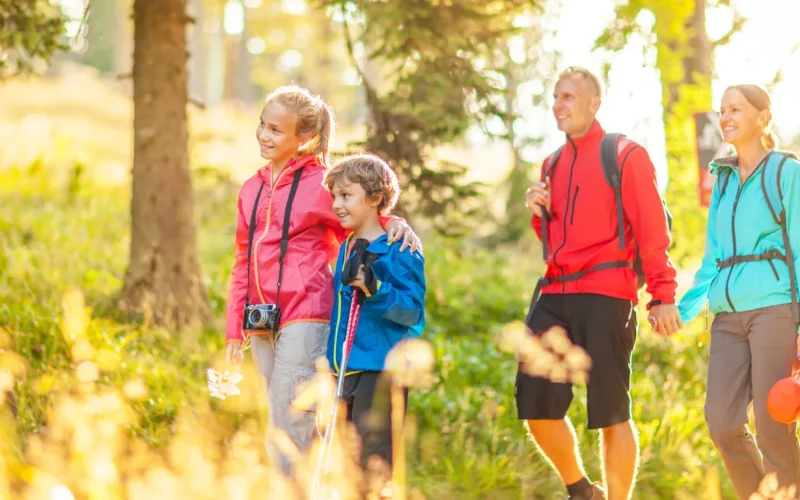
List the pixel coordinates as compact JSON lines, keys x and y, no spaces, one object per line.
{"x":796,"y":367}
{"x":233,"y":353}
{"x":397,"y":229}
{"x":665,"y":319}
{"x":538,"y":196}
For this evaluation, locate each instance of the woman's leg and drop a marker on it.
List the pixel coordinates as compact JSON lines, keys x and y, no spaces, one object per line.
{"x":728,"y":394}
{"x":773,"y":347}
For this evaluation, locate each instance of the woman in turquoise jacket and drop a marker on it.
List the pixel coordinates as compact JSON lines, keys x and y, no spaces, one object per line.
{"x":748,"y":276}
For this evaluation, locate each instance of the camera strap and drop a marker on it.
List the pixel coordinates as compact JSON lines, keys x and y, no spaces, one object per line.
{"x":284,"y":236}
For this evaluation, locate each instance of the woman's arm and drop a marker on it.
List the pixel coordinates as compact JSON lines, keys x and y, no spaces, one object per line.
{"x":693,"y":300}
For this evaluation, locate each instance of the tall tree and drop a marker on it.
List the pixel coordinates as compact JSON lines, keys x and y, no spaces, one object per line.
{"x":163,"y":280}
{"x":437,"y":61}
{"x":527,"y":67}
{"x":685,"y":61}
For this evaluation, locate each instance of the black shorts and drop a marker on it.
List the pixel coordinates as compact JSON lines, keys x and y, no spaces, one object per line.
{"x":367,"y":395}
{"x":606,"y":328}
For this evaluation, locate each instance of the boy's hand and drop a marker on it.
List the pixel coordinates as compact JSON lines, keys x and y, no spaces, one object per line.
{"x":233,"y":353}
{"x":538,"y":196}
{"x":397,"y":229}
{"x":359,"y":281}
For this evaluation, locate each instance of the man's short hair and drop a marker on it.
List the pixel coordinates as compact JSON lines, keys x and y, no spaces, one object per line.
{"x":374,"y":175}
{"x":587,"y":76}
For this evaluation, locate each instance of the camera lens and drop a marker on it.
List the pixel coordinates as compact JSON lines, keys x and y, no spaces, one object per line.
{"x":256,"y":318}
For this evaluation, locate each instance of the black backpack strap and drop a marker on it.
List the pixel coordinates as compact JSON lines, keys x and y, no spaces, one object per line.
{"x":611,"y":170}
{"x":285,"y":235}
{"x":251,"y":231}
{"x":546,"y":216}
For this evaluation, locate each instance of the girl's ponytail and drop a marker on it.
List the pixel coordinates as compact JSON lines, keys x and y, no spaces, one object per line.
{"x":326,"y":131}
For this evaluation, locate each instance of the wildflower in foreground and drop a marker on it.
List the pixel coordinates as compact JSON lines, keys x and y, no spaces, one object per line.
{"x":222,"y":385}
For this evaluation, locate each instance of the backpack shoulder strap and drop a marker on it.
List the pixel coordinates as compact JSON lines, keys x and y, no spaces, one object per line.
{"x":771,"y":185}
{"x":553,"y":160}
{"x":545,"y":216}
{"x":610,"y":163}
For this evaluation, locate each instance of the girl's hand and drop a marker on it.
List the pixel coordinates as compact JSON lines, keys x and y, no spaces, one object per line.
{"x":399,"y":229}
{"x":233,"y":353}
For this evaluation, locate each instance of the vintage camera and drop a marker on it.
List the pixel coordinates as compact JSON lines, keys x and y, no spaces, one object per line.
{"x":262,"y":317}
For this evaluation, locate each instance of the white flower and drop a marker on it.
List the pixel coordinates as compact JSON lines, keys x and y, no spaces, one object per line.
{"x":222,"y":385}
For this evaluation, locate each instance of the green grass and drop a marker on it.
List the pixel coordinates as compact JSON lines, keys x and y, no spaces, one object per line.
{"x":59,"y":234}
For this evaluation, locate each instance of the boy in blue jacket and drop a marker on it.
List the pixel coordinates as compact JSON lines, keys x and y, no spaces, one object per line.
{"x":364,"y":188}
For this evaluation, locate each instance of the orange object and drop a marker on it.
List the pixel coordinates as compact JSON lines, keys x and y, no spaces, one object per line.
{"x":783,"y":400}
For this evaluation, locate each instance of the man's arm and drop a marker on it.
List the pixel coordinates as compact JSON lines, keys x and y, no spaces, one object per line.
{"x":645,"y":212}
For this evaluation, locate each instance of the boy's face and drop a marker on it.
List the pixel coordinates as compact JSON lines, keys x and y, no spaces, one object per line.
{"x":277,"y":133}
{"x":352,"y":205}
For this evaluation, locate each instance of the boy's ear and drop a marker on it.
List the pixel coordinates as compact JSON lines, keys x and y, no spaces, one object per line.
{"x":376,"y":200}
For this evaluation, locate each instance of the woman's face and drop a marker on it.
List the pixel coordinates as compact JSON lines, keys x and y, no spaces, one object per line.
{"x":739,"y":120}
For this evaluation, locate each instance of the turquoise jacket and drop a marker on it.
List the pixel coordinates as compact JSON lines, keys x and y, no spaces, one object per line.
{"x":740,"y":223}
{"x":396,"y":311}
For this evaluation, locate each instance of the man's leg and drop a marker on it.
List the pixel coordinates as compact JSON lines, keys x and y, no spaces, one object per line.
{"x":543,"y":404}
{"x":557,"y":441}
{"x":620,"y":446}
{"x":606,"y":327}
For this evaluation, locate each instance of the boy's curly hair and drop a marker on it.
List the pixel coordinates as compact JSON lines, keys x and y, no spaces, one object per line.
{"x":375,"y":176}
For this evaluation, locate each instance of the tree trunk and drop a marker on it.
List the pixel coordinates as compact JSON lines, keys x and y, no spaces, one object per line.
{"x":163,"y":281}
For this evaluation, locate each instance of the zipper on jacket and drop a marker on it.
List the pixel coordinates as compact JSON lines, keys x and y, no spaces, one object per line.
{"x":574,"y":201}
{"x":566,"y":212}
{"x":264,"y":235}
{"x":733,"y":229}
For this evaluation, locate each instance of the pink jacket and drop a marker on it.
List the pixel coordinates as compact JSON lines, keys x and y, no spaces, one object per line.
{"x":314,"y":239}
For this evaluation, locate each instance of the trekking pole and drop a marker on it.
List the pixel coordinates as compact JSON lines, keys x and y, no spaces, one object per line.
{"x":324,"y":461}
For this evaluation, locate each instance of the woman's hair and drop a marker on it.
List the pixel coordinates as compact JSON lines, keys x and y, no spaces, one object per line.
{"x":314,"y":117}
{"x":374,"y":175}
{"x":759,"y":97}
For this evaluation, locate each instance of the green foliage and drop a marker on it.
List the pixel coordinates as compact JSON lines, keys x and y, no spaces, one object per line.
{"x":436,"y":63}
{"x":62,"y":231}
{"x":30,"y":32}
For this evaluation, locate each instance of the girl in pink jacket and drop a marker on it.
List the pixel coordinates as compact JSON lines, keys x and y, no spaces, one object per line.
{"x":281,"y":295}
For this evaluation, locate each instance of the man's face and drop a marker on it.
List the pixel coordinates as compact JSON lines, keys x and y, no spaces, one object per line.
{"x":576,"y":104}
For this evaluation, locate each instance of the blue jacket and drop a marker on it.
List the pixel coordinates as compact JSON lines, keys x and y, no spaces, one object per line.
{"x":740,"y":223}
{"x":394,"y":312}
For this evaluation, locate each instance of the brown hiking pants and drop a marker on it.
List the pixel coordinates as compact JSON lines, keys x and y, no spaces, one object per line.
{"x":750,"y":351}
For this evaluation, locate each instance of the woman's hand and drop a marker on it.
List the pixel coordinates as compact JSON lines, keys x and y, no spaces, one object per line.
{"x":397,"y":229}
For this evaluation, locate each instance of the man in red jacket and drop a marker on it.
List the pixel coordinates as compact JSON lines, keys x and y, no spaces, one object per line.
{"x":590,"y":288}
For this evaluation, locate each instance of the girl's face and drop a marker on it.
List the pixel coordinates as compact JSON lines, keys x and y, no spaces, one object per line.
{"x":277,"y":133}
{"x":739,"y":120}
{"x":352,"y":205}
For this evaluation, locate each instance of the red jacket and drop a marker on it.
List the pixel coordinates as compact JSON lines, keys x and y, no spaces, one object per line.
{"x":582,"y":232}
{"x":315,"y":235}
